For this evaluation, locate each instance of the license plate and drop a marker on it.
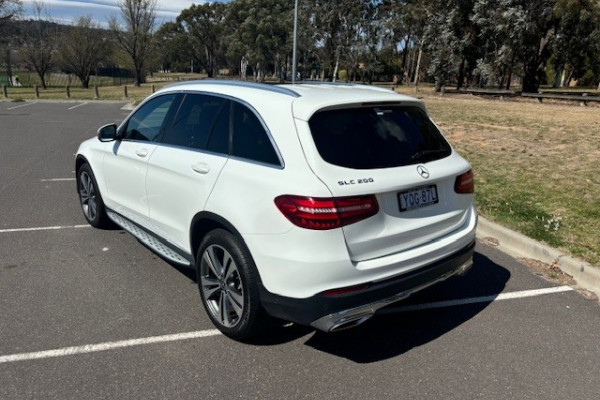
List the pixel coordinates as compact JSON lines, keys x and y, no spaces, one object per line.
{"x":418,"y":198}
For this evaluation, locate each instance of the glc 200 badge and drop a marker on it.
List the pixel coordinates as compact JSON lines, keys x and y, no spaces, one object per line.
{"x":356,"y":181}
{"x":423,"y":172}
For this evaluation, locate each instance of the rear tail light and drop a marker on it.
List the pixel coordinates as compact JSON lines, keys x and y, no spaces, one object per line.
{"x":465,"y":183}
{"x":326,"y":213}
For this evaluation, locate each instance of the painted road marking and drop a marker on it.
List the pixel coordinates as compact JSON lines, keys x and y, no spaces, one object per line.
{"x":57,"y":180}
{"x":44,"y":228}
{"x":474,"y":300}
{"x":78,"y":105}
{"x":92,"y":348}
{"x":22,"y":105}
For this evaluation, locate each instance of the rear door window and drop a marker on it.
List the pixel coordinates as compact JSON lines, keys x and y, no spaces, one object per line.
{"x":377,"y":137}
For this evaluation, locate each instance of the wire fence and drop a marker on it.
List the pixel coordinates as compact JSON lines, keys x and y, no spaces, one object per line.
{"x":31,"y":79}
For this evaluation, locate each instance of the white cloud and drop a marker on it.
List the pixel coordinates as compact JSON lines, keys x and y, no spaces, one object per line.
{"x":66,"y":11}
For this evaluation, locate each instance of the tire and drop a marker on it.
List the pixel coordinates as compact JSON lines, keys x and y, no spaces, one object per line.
{"x":90,"y":198}
{"x":229,"y":285}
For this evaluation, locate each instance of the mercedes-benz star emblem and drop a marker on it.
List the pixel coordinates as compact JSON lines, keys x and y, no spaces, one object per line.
{"x":423,"y":172}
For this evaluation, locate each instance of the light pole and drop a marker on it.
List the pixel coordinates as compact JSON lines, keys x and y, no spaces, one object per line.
{"x":295,"y":41}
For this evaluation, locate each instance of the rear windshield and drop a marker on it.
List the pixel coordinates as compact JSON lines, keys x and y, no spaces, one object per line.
{"x":377,"y":137}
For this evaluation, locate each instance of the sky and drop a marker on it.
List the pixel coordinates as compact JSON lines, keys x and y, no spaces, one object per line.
{"x":66,"y":11}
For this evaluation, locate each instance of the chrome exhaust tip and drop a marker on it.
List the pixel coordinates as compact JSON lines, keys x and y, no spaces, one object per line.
{"x":349,"y":322}
{"x":463,"y":269}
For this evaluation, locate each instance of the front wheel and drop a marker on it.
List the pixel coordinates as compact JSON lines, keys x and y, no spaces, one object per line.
{"x":90,"y":199}
{"x":229,"y":285}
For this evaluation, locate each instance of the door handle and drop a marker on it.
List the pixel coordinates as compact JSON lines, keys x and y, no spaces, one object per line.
{"x":201,"y":168}
{"x":142,"y":152}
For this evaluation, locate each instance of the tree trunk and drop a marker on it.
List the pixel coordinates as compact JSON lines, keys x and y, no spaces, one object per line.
{"x":557,"y":77}
{"x":418,"y":66}
{"x":535,"y":65}
{"x":461,"y":74}
{"x":335,"y":70}
{"x":509,"y":78}
{"x":42,"y":75}
{"x":404,"y":62}
{"x":243,"y":68}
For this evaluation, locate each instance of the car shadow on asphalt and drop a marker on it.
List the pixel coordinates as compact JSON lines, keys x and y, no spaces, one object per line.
{"x":388,"y":335}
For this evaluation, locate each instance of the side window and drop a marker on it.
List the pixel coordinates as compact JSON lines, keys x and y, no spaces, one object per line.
{"x":219,"y":135}
{"x":195,"y":120}
{"x":148,"y":121}
{"x":250,"y":140}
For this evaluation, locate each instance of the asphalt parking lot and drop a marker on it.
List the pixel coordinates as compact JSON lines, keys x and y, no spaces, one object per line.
{"x":92,"y":314}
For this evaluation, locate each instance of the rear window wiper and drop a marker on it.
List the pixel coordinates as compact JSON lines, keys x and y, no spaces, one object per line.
{"x":429,"y":154}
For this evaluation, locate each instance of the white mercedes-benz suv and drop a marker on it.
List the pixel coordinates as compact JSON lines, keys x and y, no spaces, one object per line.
{"x":311,"y":203}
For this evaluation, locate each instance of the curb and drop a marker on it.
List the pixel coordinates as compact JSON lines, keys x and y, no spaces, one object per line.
{"x":518,"y":245}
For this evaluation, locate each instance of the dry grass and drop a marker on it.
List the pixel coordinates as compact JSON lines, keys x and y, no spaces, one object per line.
{"x":536,"y":165}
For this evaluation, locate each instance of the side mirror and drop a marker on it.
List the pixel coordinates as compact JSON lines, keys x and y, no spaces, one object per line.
{"x":107,"y":133}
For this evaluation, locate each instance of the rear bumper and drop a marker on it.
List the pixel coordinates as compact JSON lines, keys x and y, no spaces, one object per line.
{"x":333,"y":313}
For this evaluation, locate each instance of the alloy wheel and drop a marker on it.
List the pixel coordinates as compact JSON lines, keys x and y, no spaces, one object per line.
{"x":87,"y":196}
{"x":222,"y":286}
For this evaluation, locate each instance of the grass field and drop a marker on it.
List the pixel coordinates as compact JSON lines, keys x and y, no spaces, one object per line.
{"x":536,"y":165}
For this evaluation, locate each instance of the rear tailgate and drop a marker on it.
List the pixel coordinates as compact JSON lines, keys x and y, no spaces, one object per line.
{"x":397,"y":154}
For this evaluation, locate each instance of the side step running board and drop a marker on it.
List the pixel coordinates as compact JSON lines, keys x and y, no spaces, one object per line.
{"x":147,"y":238}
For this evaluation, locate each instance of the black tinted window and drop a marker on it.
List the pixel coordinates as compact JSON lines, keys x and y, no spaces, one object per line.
{"x":219,"y":135}
{"x":148,"y":121}
{"x":250,"y":140}
{"x":194,"y":121}
{"x":377,"y":137}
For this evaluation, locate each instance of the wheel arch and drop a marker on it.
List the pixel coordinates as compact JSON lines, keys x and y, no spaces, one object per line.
{"x":203,"y":223}
{"x":79,"y":161}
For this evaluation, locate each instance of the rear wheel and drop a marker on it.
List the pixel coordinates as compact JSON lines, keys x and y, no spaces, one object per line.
{"x":229,"y":285}
{"x":90,"y":199}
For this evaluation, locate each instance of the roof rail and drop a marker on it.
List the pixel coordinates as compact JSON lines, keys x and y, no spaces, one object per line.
{"x":252,"y":85}
{"x":343,"y":84}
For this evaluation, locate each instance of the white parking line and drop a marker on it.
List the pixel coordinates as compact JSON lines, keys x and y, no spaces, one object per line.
{"x":474,"y":300}
{"x":43,"y":228}
{"x":92,"y":348}
{"x":57,"y":180}
{"x":22,"y":105}
{"x":78,"y":105}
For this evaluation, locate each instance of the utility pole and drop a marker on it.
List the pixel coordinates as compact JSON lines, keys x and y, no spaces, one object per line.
{"x":295,"y":41}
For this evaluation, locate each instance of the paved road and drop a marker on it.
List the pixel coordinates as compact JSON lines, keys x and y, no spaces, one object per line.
{"x":91,"y":314}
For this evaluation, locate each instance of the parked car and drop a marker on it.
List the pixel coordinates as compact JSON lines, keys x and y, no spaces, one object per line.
{"x":311,"y":203}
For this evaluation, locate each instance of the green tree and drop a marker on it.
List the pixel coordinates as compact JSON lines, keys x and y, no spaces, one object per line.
{"x":404,"y":23}
{"x":38,"y":48}
{"x":135,"y":38}
{"x":260,"y":32}
{"x":173,"y":47}
{"x":203,"y":26}
{"x":82,"y":48}
{"x":576,"y":44}
{"x":8,"y":10}
{"x":500,"y":31}
{"x":516,"y":33}
{"x":440,"y":41}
